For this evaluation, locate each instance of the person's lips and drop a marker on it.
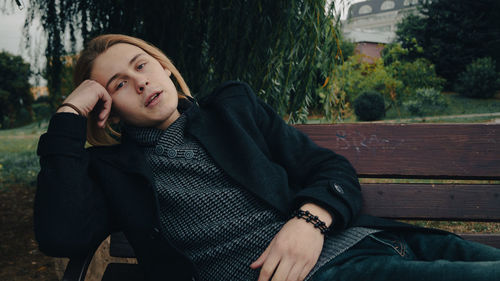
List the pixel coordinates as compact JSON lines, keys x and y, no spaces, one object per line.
{"x":152,"y":98}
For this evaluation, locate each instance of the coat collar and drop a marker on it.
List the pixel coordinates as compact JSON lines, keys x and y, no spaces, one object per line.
{"x":132,"y":159}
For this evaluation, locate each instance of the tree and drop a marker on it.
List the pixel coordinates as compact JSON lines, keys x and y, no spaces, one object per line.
{"x":453,"y":33}
{"x":279,"y":47}
{"x":15,"y":92}
{"x":410,"y":32}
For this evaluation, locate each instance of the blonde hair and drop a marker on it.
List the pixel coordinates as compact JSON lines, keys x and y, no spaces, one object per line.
{"x":83,"y":69}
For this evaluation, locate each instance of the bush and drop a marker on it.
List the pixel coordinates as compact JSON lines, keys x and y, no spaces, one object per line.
{"x":425,"y":101}
{"x":355,"y":76}
{"x":413,"y":73}
{"x":369,"y":106}
{"x":479,"y":80}
{"x":42,"y":111}
{"x":419,"y":73}
{"x":22,"y":117}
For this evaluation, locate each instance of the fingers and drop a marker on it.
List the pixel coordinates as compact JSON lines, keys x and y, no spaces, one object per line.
{"x":283,"y":271}
{"x":260,"y":261}
{"x":287,"y":256}
{"x":269,"y":267}
{"x":296,"y":272}
{"x":305,"y":270}
{"x":106,"y":109}
{"x":86,"y":97}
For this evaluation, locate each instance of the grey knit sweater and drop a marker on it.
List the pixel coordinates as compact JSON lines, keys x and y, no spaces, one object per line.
{"x":207,"y":215}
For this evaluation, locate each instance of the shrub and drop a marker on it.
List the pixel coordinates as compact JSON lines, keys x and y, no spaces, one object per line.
{"x":42,"y":111}
{"x":479,"y":80}
{"x":355,"y":76}
{"x":414,"y":73}
{"x":369,"y":106}
{"x":419,"y":73}
{"x":22,"y":117}
{"x":425,"y":101}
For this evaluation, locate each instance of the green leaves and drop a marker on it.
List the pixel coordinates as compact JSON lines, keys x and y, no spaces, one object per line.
{"x":453,"y":33}
{"x":280,"y":47}
{"x":14,"y":90}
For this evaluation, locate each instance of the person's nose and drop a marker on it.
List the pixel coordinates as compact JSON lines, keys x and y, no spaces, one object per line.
{"x":142,"y":83}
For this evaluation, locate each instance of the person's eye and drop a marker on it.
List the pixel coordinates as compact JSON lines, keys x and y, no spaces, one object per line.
{"x":141,"y":66}
{"x":120,"y":85}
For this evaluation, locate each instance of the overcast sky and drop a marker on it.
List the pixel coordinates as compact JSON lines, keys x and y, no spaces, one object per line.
{"x":11,"y":27}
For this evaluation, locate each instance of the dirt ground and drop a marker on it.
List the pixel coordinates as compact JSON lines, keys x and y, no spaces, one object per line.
{"x":20,"y":258}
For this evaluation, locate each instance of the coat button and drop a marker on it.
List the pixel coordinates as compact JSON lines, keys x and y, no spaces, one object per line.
{"x":159,"y":150}
{"x":189,"y":154}
{"x":336,"y":187}
{"x":171,"y":153}
{"x":155,"y":233}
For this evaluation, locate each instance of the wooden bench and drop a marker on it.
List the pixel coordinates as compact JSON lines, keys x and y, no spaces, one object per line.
{"x":435,"y":172}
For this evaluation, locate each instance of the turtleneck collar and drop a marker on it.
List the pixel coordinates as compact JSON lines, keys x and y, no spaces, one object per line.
{"x":147,"y":136}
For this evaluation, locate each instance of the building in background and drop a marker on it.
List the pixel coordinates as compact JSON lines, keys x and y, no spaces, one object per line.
{"x":372,"y":24}
{"x":39,"y":91}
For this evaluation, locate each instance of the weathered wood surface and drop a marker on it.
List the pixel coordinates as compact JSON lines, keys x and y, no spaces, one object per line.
{"x":120,"y":246}
{"x":414,"y":150}
{"x":437,"y":202}
{"x":488,"y":239}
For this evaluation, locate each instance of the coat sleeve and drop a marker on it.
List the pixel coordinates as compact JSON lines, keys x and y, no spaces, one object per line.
{"x":322,"y":176}
{"x":70,"y":215}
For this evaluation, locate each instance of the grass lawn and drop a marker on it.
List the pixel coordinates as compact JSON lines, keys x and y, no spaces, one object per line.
{"x":18,"y":159}
{"x":20,"y":260}
{"x":457,"y":105}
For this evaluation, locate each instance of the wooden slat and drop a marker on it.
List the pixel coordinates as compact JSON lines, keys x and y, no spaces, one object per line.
{"x":488,"y":239}
{"x":123,"y":272}
{"x":120,"y":247}
{"x":418,"y":150}
{"x":438,"y":202}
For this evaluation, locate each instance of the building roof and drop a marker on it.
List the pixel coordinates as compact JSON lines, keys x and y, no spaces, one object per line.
{"x":371,"y":7}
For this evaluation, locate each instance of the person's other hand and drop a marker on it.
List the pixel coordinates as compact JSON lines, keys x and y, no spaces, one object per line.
{"x":293,"y":252}
{"x":85,"y":97}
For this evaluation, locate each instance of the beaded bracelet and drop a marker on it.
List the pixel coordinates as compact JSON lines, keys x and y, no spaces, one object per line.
{"x":72,"y":106}
{"x":312,"y":219}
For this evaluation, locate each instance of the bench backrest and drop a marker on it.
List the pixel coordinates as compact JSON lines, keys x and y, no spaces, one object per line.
{"x":437,"y":155}
{"x":454,"y":169}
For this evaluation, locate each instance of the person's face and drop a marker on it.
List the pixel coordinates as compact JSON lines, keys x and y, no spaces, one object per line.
{"x":142,"y":92}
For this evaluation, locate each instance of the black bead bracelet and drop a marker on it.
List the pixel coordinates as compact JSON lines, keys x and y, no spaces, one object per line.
{"x":306,"y":215}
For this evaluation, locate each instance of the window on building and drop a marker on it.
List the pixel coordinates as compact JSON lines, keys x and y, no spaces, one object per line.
{"x":406,"y":3}
{"x":365,"y":9}
{"x":387,"y":5}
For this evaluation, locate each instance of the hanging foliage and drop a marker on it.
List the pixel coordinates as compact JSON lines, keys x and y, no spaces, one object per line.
{"x":284,"y":49}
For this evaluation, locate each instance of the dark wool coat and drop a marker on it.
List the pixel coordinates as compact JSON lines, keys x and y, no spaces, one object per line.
{"x":85,"y":194}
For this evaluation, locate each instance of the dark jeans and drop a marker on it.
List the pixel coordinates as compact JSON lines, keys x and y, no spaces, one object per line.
{"x":389,"y":256}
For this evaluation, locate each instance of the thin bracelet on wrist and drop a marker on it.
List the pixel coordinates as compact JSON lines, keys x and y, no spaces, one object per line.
{"x":306,"y":215}
{"x":72,"y":106}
